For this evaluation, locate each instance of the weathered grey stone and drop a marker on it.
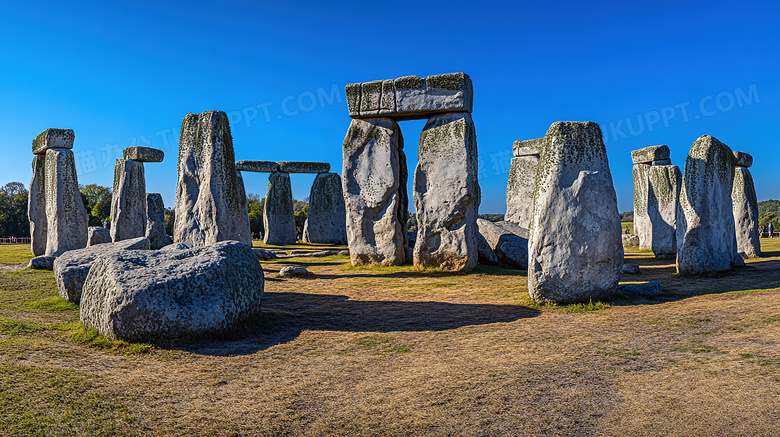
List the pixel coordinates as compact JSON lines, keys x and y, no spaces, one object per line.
{"x":209,"y":205}
{"x":128,"y":200}
{"x":304,"y":167}
{"x":136,"y":295}
{"x":294,"y":272}
{"x":241,"y":220}
{"x":175,"y":246}
{"x":575,"y":251}
{"x":53,"y":139}
{"x":528,"y":147}
{"x":650,"y":154}
{"x":706,"y":237}
{"x":630,"y":269}
{"x":374,"y":193}
{"x":513,"y":228}
{"x":257,"y":166}
{"x":278,"y":214}
{"x":327,"y":219}
{"x":66,"y":217}
{"x":743,"y":159}
{"x":745,"y":207}
{"x":143,"y":154}
{"x":520,"y":189}
{"x":447,"y":194}
{"x":484,"y":251}
{"x":155,"y":221}
{"x":411,"y":97}
{"x":652,"y":288}
{"x":71,"y":268}
{"x":263,"y":254}
{"x":36,"y":206}
{"x":510,"y":248}
{"x":42,"y":263}
{"x":662,"y":162}
{"x":656,"y":195}
{"x":98,"y":235}
{"x":630,"y":240}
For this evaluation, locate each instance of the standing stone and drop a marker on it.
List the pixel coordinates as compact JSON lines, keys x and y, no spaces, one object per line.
{"x":36,"y":206}
{"x":745,"y":207}
{"x":656,"y":195}
{"x":706,"y":237}
{"x":208,"y":197}
{"x":66,"y":216}
{"x":278,"y":214}
{"x":447,"y":194}
{"x":155,"y":222}
{"x":128,"y":201}
{"x":373,"y":192}
{"x":327,"y":219}
{"x":575,"y":250}
{"x":242,"y":220}
{"x":520,"y":185}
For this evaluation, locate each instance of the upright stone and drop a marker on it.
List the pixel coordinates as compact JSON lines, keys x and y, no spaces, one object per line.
{"x":128,"y":201}
{"x":278,"y":214}
{"x":327,"y":219}
{"x":242,"y":220}
{"x":36,"y":206}
{"x":66,"y":216}
{"x":575,"y":249}
{"x":656,"y":195}
{"x":155,"y":222}
{"x":208,"y":197}
{"x":447,"y":194}
{"x":745,"y":207}
{"x":374,"y":193}
{"x":520,"y":186}
{"x":706,"y":237}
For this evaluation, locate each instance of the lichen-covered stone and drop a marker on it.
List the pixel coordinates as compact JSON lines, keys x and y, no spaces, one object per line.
{"x":706,"y":237}
{"x":66,"y":217}
{"x":575,"y":250}
{"x":743,"y":159}
{"x":36,"y":206}
{"x":257,"y":166}
{"x":278,"y":214}
{"x":327,"y":218}
{"x":242,"y":219}
{"x":650,"y":154}
{"x":528,"y":147}
{"x":128,"y":200}
{"x":520,"y":189}
{"x":510,"y":248}
{"x":53,"y":139}
{"x":209,"y":205}
{"x":42,"y":263}
{"x":143,"y":154}
{"x":304,"y":167}
{"x":155,"y":222}
{"x":656,"y":195}
{"x":137,"y":295}
{"x":98,"y":235}
{"x":745,"y":207}
{"x":447,"y":194}
{"x":374,"y":193}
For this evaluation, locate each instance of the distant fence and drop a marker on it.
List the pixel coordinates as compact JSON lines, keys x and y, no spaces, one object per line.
{"x":14,"y":240}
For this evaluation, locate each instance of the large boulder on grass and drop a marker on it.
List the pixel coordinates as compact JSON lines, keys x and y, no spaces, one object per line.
{"x":507,"y":243}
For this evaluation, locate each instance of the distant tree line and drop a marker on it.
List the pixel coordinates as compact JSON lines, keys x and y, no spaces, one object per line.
{"x":13,"y":211}
{"x":769,"y":211}
{"x":627,"y":216}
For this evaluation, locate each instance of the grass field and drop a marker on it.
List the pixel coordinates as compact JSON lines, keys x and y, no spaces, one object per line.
{"x":395,"y":351}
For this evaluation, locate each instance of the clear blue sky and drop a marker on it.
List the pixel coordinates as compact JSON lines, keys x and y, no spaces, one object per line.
{"x":126,"y":74}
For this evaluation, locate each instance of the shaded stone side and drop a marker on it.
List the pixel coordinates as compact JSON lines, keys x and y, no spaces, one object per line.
{"x":155,"y":222}
{"x":373,"y":194}
{"x":642,"y":225}
{"x":649,"y":154}
{"x":143,"y":154}
{"x":242,"y":219}
{"x":278,"y":214}
{"x":66,"y":217}
{"x":327,"y":219}
{"x":447,"y":194}
{"x":208,"y":197}
{"x":745,"y":207}
{"x":36,"y":206}
{"x":128,"y":201}
{"x":575,"y":249}
{"x":520,"y":189}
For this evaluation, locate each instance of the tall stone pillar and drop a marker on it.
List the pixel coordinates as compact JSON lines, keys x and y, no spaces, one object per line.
{"x":520,"y":184}
{"x":327,"y":219}
{"x":128,"y":201}
{"x":36,"y":206}
{"x":278,"y":214}
{"x":155,"y":222}
{"x":66,"y":216}
{"x":745,"y":207}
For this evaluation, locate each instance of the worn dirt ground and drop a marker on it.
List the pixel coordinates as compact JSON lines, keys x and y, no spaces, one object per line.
{"x":368,"y":351}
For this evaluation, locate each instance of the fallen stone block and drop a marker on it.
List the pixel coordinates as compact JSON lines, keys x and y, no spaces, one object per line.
{"x":630,"y":269}
{"x":294,"y":272}
{"x":510,"y":249}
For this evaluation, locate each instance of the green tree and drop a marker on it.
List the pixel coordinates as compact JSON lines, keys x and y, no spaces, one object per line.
{"x":256,"y":205}
{"x":13,"y":210}
{"x":170,"y":219}
{"x":300,"y":218}
{"x":98,"y":203}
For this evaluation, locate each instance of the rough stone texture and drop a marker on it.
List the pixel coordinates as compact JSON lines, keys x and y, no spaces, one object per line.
{"x":510,"y":248}
{"x":175,"y":246}
{"x":294,"y":272}
{"x":145,"y":295}
{"x":327,"y":219}
{"x":630,"y":268}
{"x":155,"y":221}
{"x":630,"y":240}
{"x":484,"y":251}
{"x":374,"y":192}
{"x":745,"y":207}
{"x":520,"y":189}
{"x":528,"y":147}
{"x":656,"y":195}
{"x":128,"y":200}
{"x":447,"y":194}
{"x":743,"y":159}
{"x":706,"y":237}
{"x":66,"y":217}
{"x":513,"y":228}
{"x":53,"y":139}
{"x":575,"y":251}
{"x":143,"y":154}
{"x":98,"y":235}
{"x":304,"y":167}
{"x":71,"y":268}
{"x":209,"y":204}
{"x":652,"y":288}
{"x":410,"y":97}
{"x":263,"y":254}
{"x":42,"y":263}
{"x":257,"y":166}
{"x":36,"y":206}
{"x":242,"y":219}
{"x":278,"y":214}
{"x":650,"y":154}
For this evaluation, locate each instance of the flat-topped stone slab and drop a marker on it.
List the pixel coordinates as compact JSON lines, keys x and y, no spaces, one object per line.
{"x":650,"y":154}
{"x":411,"y":97}
{"x":304,"y":167}
{"x":528,"y":147}
{"x":53,"y":138}
{"x":143,"y":154}
{"x":257,"y":166}
{"x":743,"y":159}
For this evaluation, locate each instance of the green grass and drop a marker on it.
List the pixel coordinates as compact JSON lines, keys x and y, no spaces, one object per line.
{"x":15,"y":254}
{"x":629,"y":225}
{"x":93,"y":339}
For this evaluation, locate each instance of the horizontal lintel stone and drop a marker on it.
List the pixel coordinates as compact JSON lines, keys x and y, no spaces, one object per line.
{"x":53,"y":138}
{"x":143,"y":154}
{"x":304,"y":167}
{"x":743,"y":159}
{"x":257,"y":166}
{"x":650,"y":154}
{"x":528,"y":147}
